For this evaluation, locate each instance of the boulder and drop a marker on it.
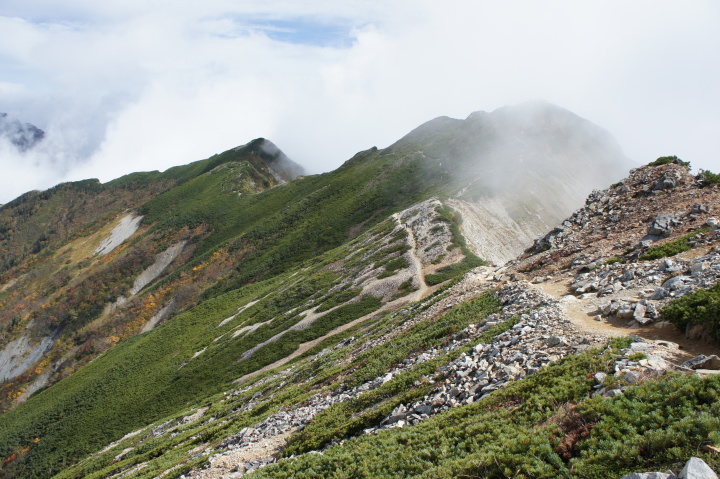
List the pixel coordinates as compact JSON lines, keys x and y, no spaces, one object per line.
{"x":702,"y":362}
{"x":675,"y":282}
{"x":696,"y":468}
{"x":554,"y":341}
{"x":662,"y":225}
{"x":660,"y":293}
{"x":698,"y":208}
{"x":698,"y":267}
{"x":625,"y":312}
{"x":628,"y":275}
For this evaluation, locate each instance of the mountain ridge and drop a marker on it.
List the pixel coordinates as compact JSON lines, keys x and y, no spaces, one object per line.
{"x":263,"y":274}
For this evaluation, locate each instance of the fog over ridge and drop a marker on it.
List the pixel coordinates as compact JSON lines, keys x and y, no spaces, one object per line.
{"x":129,"y":86}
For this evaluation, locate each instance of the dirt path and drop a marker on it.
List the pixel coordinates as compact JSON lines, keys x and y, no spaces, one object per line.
{"x":391,"y":306}
{"x":424,"y":289}
{"x":582,"y":311}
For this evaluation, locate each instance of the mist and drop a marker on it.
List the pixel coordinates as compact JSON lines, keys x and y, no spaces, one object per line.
{"x":126,"y":86}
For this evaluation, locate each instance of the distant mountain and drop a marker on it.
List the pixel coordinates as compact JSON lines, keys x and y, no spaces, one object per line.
{"x":122,"y":303}
{"x":23,"y":135}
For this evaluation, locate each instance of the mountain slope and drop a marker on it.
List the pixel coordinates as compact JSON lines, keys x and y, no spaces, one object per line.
{"x":246,"y":277}
{"x":65,"y":284}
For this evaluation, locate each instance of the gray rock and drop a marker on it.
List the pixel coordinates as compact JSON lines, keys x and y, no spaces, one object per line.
{"x":676,"y":282}
{"x":660,"y":293}
{"x":696,"y":468}
{"x":586,"y":287}
{"x":611,"y":308}
{"x":643,"y":320}
{"x":642,"y":347}
{"x":424,"y":409}
{"x":625,"y":312}
{"x":702,"y":362}
{"x":662,"y":225}
{"x":698,"y":267}
{"x":657,"y":363}
{"x":711,"y":222}
{"x":628,"y":275}
{"x":698,"y":208}
{"x":631,"y":377}
{"x":554,"y":341}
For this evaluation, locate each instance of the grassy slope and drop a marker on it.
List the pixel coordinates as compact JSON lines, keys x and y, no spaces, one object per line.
{"x":309,"y":376}
{"x":155,"y":374}
{"x":275,"y":230}
{"x":47,"y":244}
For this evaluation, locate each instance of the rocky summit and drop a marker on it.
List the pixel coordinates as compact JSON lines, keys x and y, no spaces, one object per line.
{"x":393,"y":318}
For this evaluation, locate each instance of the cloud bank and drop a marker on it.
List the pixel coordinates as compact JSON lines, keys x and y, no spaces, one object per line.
{"x":122,"y":86}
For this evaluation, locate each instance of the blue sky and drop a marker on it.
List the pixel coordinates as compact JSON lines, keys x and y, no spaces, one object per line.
{"x":132,"y":85}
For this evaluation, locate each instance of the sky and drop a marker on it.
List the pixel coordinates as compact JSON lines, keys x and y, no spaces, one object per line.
{"x":138,"y":85}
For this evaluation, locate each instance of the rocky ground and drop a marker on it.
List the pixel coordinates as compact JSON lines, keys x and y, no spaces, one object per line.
{"x":579,"y":285}
{"x":597,"y":258}
{"x":543,"y":334}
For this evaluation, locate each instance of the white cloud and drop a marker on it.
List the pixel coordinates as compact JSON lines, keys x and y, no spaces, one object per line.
{"x":137,"y":85}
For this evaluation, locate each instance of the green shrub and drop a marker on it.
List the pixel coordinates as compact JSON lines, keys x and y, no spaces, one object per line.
{"x":337,"y":298}
{"x":664,"y":160}
{"x":616,"y":259}
{"x":708,"y":178}
{"x":637,"y":356}
{"x":671,"y":248}
{"x":701,"y":307}
{"x":544,"y":426}
{"x":456,"y":269}
{"x":470,"y":260}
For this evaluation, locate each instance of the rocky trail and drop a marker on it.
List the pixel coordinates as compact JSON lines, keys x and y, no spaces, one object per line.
{"x":418,"y":269}
{"x":586,"y":317}
{"x":423,"y":291}
{"x":606,"y":264}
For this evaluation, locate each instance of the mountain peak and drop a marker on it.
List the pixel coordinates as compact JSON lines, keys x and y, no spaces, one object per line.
{"x":23,"y":135}
{"x":280,"y":165}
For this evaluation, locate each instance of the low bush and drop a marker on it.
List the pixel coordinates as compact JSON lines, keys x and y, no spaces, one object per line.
{"x":664,"y":160}
{"x":616,"y":259}
{"x":394,"y":265}
{"x":671,"y":248}
{"x":708,"y":178}
{"x":701,"y":307}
